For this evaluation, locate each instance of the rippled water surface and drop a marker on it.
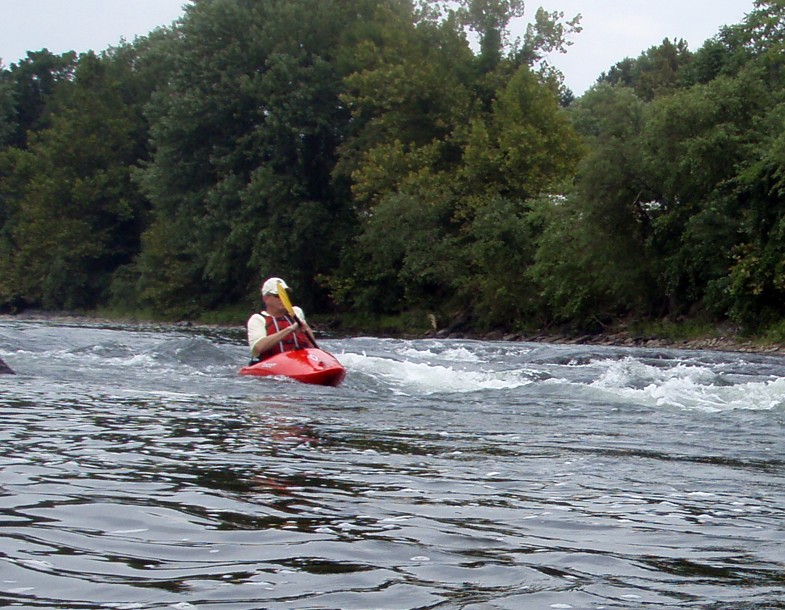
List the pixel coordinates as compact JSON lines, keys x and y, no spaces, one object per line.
{"x":139,"y":470}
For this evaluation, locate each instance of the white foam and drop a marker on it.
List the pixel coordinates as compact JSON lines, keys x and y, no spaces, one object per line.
{"x":460,"y":354}
{"x":456,"y":354}
{"x":687,"y":386}
{"x":429,"y":378}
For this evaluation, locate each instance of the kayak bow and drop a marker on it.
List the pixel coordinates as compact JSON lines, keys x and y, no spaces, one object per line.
{"x":309,"y":365}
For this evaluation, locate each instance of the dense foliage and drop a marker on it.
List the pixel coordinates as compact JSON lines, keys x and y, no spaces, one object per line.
{"x":374,"y":156}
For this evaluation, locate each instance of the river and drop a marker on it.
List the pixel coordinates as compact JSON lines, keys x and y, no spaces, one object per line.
{"x":139,"y":470}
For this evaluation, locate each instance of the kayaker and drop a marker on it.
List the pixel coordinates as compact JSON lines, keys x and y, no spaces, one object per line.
{"x":273,"y":331}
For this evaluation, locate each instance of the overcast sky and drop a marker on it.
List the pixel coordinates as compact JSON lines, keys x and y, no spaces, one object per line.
{"x":613,"y":29}
{"x":78,"y":25}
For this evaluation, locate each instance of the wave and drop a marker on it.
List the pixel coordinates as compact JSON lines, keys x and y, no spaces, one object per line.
{"x":618,"y":378}
{"x":408,"y":376}
{"x":688,"y":386}
{"x":175,"y":360}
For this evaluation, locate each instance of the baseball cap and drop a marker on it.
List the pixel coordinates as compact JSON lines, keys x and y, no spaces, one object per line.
{"x":270,"y":285}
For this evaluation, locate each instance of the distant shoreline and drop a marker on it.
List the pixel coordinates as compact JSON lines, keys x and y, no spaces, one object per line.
{"x":620,"y":338}
{"x":723,"y":343}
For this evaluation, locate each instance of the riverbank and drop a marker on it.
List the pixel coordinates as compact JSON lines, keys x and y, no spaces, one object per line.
{"x":627,"y":339}
{"x":618,"y":337}
{"x":710,"y":339}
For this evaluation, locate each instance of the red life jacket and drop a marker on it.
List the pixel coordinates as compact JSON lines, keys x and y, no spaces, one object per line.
{"x":296,"y":340}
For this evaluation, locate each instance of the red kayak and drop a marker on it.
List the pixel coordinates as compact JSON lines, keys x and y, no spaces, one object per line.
{"x":309,"y":365}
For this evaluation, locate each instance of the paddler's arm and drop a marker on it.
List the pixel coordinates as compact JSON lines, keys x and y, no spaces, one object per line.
{"x":269,"y":341}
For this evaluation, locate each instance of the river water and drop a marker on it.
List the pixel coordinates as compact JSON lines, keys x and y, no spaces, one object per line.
{"x":139,"y":470}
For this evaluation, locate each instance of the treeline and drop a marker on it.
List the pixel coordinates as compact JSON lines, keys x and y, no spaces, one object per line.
{"x":368,"y":153}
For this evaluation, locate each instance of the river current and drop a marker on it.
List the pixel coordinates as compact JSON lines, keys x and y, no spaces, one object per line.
{"x":139,"y":470}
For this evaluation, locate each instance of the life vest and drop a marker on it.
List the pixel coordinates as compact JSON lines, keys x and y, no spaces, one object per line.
{"x":293,"y":341}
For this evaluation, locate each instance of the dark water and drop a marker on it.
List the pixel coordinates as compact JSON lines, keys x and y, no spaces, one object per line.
{"x":140,"y":471}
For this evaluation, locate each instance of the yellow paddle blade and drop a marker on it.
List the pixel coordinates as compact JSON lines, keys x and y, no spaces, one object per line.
{"x":285,"y":299}
{"x":290,"y":310}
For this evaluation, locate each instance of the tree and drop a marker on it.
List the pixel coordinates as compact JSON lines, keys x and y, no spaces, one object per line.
{"x":591,"y":261}
{"x":489,"y":20}
{"x":548,"y":33}
{"x":8,"y":124}
{"x":245,"y":136}
{"x":409,"y":99}
{"x":697,"y":140}
{"x":32,"y":83}
{"x":75,"y":217}
{"x":655,"y":72}
{"x":447,"y":204}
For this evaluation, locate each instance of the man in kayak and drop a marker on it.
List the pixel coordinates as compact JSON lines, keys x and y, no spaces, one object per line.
{"x":274,"y":331}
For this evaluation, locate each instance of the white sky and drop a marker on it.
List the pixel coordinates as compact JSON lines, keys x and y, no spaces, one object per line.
{"x":612,"y":29}
{"x":78,"y":25}
{"x":615,"y":29}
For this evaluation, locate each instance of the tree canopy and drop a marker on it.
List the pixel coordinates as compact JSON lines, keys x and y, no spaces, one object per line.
{"x":374,"y":156}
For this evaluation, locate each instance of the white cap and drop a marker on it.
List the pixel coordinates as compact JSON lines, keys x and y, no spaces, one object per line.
{"x":270,"y":286}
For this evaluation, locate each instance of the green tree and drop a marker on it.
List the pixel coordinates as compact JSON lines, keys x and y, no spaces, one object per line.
{"x":8,"y":125}
{"x":489,"y":20}
{"x":74,"y":217}
{"x":443,"y":201}
{"x":245,"y":135}
{"x":30,"y":84}
{"x":655,"y":72}
{"x":697,"y":141}
{"x":413,"y":91}
{"x":591,"y":262}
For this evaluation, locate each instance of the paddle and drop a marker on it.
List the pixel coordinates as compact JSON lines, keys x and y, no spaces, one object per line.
{"x":288,"y":306}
